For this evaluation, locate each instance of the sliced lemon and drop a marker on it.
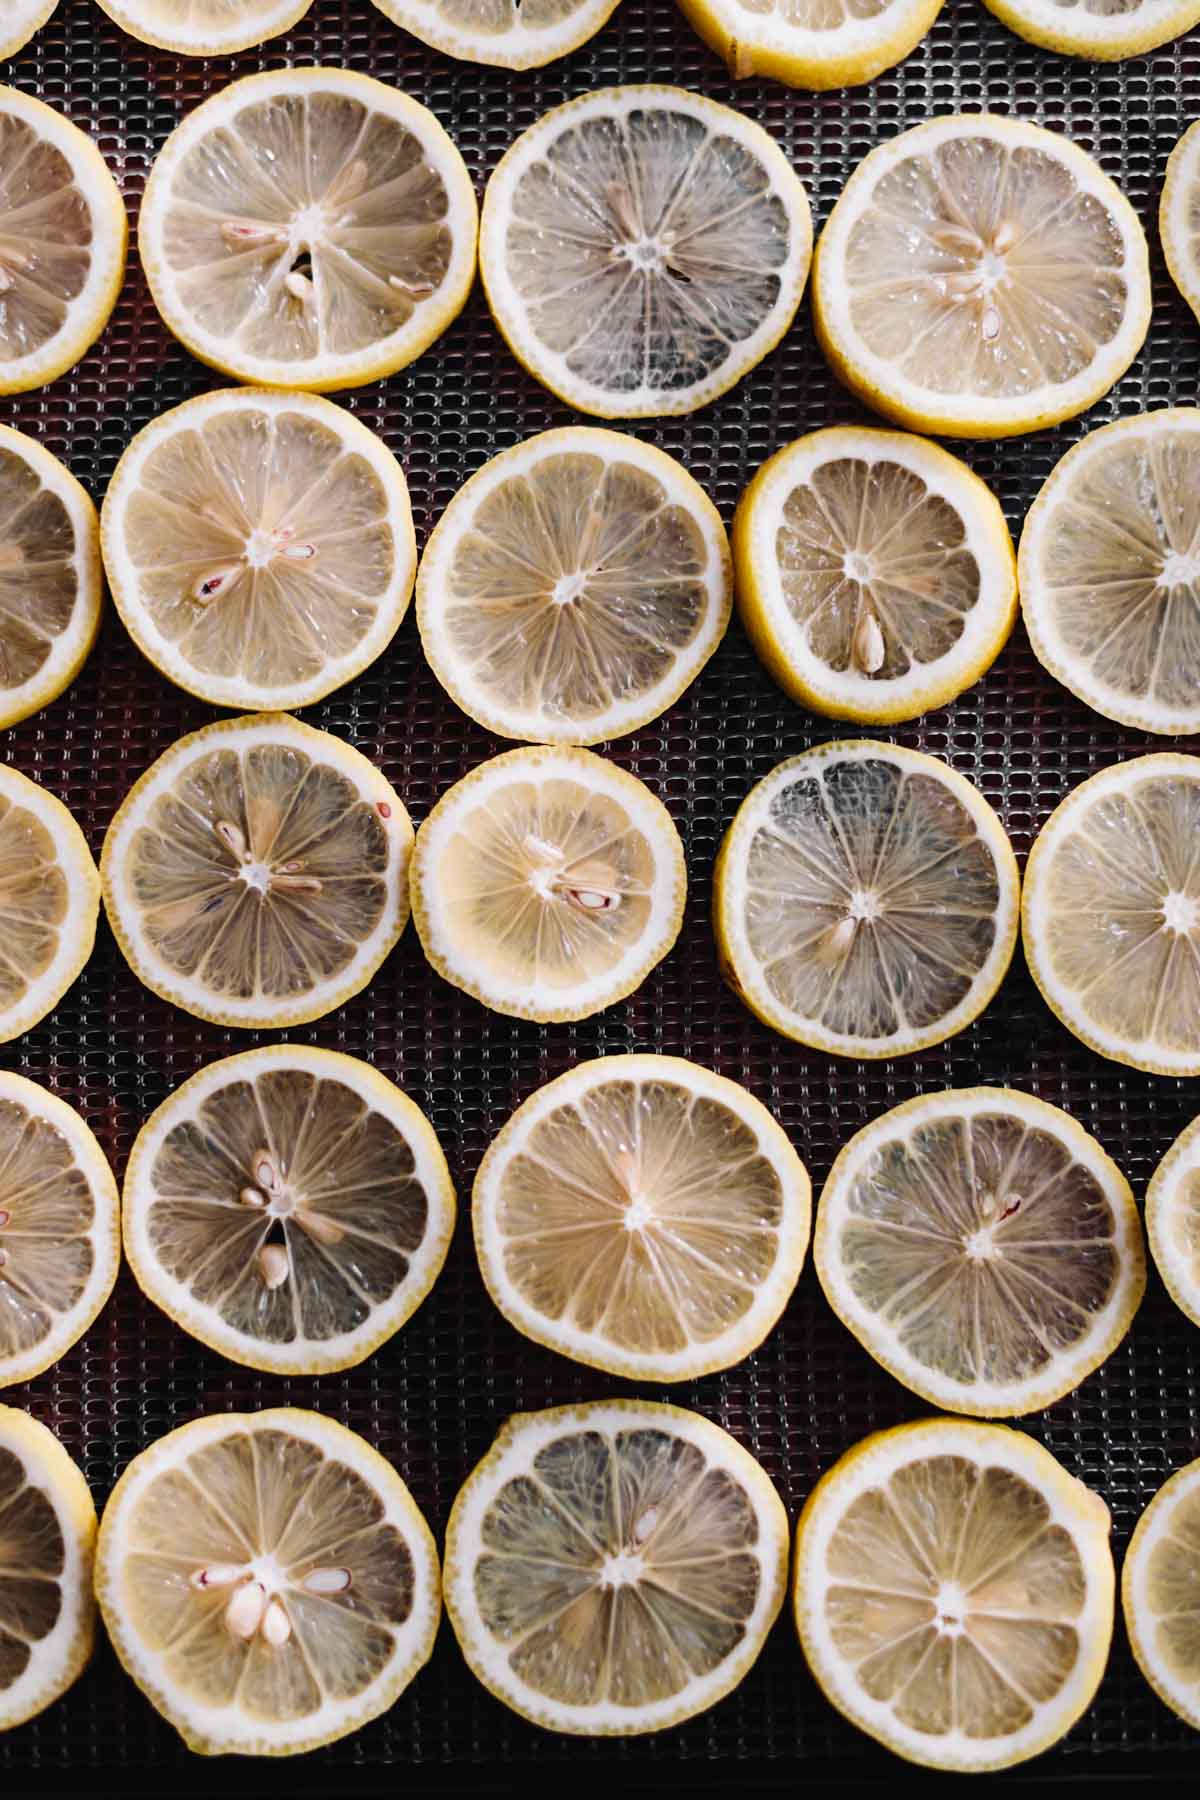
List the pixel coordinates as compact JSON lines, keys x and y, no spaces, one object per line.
{"x":643,"y":1216}
{"x":204,"y":27}
{"x":615,"y":1567}
{"x":982,"y":1247}
{"x":19,"y":19}
{"x":548,"y":883}
{"x":1179,"y":215}
{"x":267,"y":1581}
{"x":256,"y":874}
{"x":574,"y":587}
{"x":63,"y":233}
{"x":1173,"y":1220}
{"x":865,"y":900}
{"x":875,"y":573}
{"x":259,"y":546}
{"x":49,"y":902}
{"x":47,"y":1542}
{"x":642,"y":248}
{"x":308,"y":228}
{"x":1100,"y":30}
{"x":1111,"y":913}
{"x":49,"y":577}
{"x":1161,"y":1595}
{"x":507,"y":34}
{"x":812,"y":43}
{"x":954,"y":1592}
{"x":981,"y":277}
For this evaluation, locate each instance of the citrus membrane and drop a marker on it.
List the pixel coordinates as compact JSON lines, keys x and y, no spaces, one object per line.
{"x":49,"y":902}
{"x":1158,"y":1591}
{"x":1173,"y":1220}
{"x":204,"y":27}
{"x":505,"y":34}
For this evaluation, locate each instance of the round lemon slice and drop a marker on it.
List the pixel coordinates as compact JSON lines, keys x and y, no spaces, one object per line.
{"x":1173,"y":1220}
{"x":1179,"y":214}
{"x":548,"y":883}
{"x":812,"y":43}
{"x":1159,"y":1597}
{"x":865,"y":900}
{"x":875,"y":573}
{"x":19,"y":19}
{"x":267,"y":1581}
{"x":290,"y":1207}
{"x":980,"y":277}
{"x":643,"y":1216}
{"x":1111,"y":913}
{"x":574,"y":587}
{"x":49,"y":902}
{"x":642,"y":248}
{"x":308,"y":228}
{"x":204,"y":27}
{"x":507,"y":34}
{"x":954,"y":1593}
{"x":259,"y":546}
{"x":982,"y":1247}
{"x":614,"y":1568}
{"x":256,"y":874}
{"x":63,"y":233}
{"x":47,"y":1543}
{"x":1100,"y":30}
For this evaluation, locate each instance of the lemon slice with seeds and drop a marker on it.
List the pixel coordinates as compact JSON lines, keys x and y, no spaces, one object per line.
{"x":19,"y":19}
{"x":259,"y":547}
{"x":267,"y":1580}
{"x":865,"y":900}
{"x":812,"y":43}
{"x":642,"y":248}
{"x":643,"y":1216}
{"x":49,"y":902}
{"x":614,"y":1568}
{"x":1158,"y":1592}
{"x":204,"y":27}
{"x":507,"y":34}
{"x":954,"y":1593}
{"x":1173,"y":1220}
{"x":548,"y":883}
{"x":980,"y":277}
{"x":308,"y":228}
{"x":1100,"y":30}
{"x":574,"y":587}
{"x":1179,"y":215}
{"x":256,"y":874}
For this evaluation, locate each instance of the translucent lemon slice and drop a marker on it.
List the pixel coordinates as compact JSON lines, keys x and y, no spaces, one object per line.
{"x":1173,"y":1220}
{"x":1100,"y":30}
{"x":1179,"y":214}
{"x":19,"y":19}
{"x":508,"y":34}
{"x":1159,"y":1593}
{"x":49,"y":902}
{"x":204,"y":27}
{"x":812,"y":43}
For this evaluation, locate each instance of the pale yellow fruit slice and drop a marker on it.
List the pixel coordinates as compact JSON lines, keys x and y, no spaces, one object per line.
{"x":1173,"y":1220}
{"x":642,"y":248}
{"x":47,"y":1543}
{"x":548,"y":883}
{"x":1111,"y":913}
{"x":982,"y":1247}
{"x":204,"y":27}
{"x":257,"y":873}
{"x":574,"y":587}
{"x":643,"y":1216}
{"x":1159,"y":1593}
{"x":50,"y":591}
{"x":812,"y":43}
{"x":954,"y":1593}
{"x":875,"y":573}
{"x":615,"y":1567}
{"x":19,"y":19}
{"x":507,"y":34}
{"x":259,"y":546}
{"x":865,"y":900}
{"x":63,"y":233}
{"x":49,"y":902}
{"x":290,"y":1207}
{"x":267,"y":1581}
{"x":308,"y":228}
{"x":1179,"y":215}
{"x":980,"y":277}
{"x":1100,"y":30}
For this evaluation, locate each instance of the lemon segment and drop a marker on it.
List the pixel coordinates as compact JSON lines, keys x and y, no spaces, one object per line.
{"x":505,"y":34}
{"x":814,"y":44}
{"x":1100,"y":30}
{"x":1173,"y":1220}
{"x":49,"y":902}
{"x":204,"y":27}
{"x":1179,"y":215}
{"x":19,"y":19}
{"x":1158,"y":1593}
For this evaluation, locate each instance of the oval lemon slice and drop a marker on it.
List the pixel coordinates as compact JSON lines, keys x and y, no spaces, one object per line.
{"x":1100,"y":30}
{"x":49,"y":902}
{"x":812,"y":43}
{"x":506,"y":34}
{"x":204,"y":27}
{"x":1158,"y":1592}
{"x":1179,"y":216}
{"x":19,"y":19}
{"x":1173,"y":1220}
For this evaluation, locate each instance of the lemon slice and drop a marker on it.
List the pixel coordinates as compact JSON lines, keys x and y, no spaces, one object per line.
{"x":643,"y":1216}
{"x":548,"y":883}
{"x":954,"y":1592}
{"x":875,"y":573}
{"x":574,"y":587}
{"x":19,"y":19}
{"x":49,"y":577}
{"x":267,"y":1581}
{"x":812,"y":43}
{"x":982,"y":1247}
{"x":1158,"y":1593}
{"x":1111,"y":914}
{"x":259,"y":546}
{"x":1100,"y":30}
{"x":47,"y":1542}
{"x":1173,"y":1220}
{"x":980,"y":277}
{"x":256,"y":873}
{"x":63,"y":233}
{"x":614,"y":1568}
{"x":865,"y":900}
{"x":1179,"y":214}
{"x":507,"y":34}
{"x":49,"y":902}
{"x":289,"y":1207}
{"x":204,"y":27}
{"x":308,"y":228}
{"x":642,"y":248}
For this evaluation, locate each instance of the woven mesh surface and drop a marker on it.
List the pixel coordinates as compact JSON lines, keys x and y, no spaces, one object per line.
{"x":432,"y":1399}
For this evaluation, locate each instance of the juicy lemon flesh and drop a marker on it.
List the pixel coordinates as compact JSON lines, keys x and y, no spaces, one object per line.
{"x":645,"y":249}
{"x":271,"y":1509}
{"x":983,"y":1244}
{"x":622,"y":1568}
{"x":259,"y":873}
{"x":204,"y":20}
{"x":32,"y":1561}
{"x":307,"y":226}
{"x":816,"y":15}
{"x":980,"y":269}
{"x":34,"y":902}
{"x":1184,"y":1226}
{"x":46,"y":238}
{"x":1172,"y":1587}
{"x":954,"y":1598}
{"x":39,"y":582}
{"x":1190,"y":242}
{"x":47,"y":1216}
{"x":262,"y":546}
{"x":305,"y":1166}
{"x":642,"y":1212}
{"x":496,"y":18}
{"x":871,"y":899}
{"x":576,"y":589}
